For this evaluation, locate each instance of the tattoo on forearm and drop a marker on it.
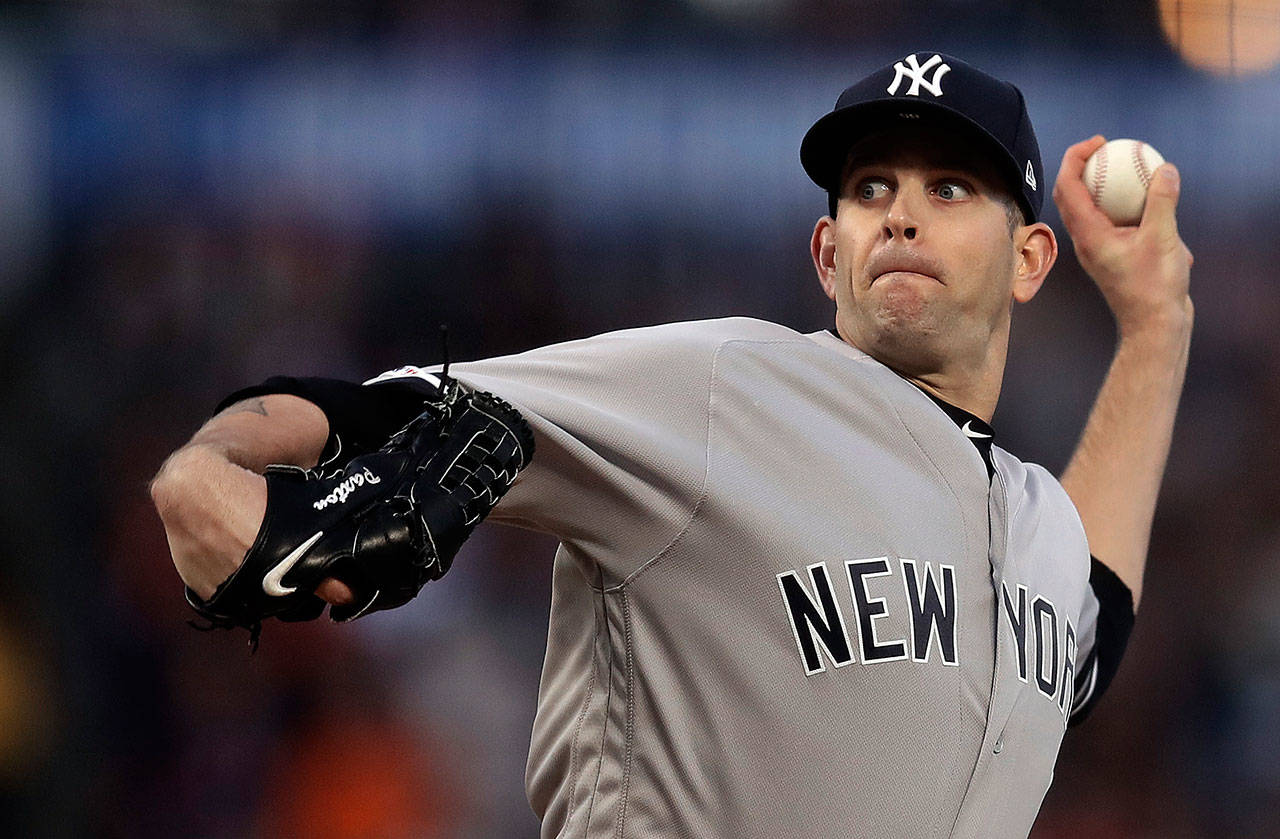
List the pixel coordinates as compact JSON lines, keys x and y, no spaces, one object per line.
{"x":247,"y":406}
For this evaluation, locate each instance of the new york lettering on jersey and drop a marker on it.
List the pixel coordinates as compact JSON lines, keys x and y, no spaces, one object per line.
{"x":1045,"y":641}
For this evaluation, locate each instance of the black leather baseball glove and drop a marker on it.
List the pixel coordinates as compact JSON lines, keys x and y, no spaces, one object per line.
{"x":385,"y":524}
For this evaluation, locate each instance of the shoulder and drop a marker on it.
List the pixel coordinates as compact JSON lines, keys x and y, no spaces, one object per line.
{"x":1031,"y":480}
{"x":1034,"y":491}
{"x":1036,"y":496}
{"x":629,"y":370}
{"x":690,"y":343}
{"x":702,"y":334}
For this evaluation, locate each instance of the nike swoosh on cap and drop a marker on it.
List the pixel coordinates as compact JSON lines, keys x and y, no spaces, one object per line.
{"x":271,"y":582}
{"x":969,"y":432}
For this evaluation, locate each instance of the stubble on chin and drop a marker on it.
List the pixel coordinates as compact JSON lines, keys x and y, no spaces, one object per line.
{"x":903,"y":306}
{"x":905,"y":330}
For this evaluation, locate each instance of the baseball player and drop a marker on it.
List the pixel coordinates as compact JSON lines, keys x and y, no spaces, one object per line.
{"x":800,"y":590}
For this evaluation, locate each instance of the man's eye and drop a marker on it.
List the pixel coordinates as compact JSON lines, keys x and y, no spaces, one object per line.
{"x":951,"y":191}
{"x":871,"y":190}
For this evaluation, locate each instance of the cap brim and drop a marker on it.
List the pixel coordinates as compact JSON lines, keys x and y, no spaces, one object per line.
{"x":826,"y":144}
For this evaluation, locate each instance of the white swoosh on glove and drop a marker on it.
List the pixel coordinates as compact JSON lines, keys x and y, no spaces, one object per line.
{"x":271,"y":582}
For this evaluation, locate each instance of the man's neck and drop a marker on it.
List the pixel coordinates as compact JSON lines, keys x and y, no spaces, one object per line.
{"x":974,"y":388}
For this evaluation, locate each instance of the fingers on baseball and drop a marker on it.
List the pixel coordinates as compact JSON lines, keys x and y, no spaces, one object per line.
{"x":1075,"y":157}
{"x":1070,"y":193}
{"x":335,"y":592}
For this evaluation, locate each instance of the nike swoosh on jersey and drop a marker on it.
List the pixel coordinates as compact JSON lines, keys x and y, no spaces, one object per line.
{"x":969,"y":432}
{"x":271,"y":582}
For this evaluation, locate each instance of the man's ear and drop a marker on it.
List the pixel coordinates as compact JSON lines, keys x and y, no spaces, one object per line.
{"x":823,"y":249}
{"x":1037,"y":250}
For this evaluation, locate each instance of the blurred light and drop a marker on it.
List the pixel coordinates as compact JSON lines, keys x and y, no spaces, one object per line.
{"x":1225,"y":37}
{"x":25,"y":711}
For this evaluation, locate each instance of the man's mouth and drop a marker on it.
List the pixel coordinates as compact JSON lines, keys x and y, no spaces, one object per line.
{"x":904,"y":266}
{"x":903,"y":274}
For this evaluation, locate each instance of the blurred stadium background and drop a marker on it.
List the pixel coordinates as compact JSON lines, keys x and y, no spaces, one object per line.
{"x":195,"y":194}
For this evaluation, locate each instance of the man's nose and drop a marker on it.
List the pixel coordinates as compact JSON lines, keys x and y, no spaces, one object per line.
{"x":902,"y":219}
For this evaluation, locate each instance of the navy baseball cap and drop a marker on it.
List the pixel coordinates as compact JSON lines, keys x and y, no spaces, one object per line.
{"x":931,"y":84}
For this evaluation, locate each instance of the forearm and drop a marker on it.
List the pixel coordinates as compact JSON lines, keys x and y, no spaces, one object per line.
{"x":254,"y":433}
{"x":1114,"y":476}
{"x":210,"y":493}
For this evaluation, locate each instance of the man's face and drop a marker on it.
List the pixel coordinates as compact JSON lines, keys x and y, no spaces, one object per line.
{"x":924,"y":261}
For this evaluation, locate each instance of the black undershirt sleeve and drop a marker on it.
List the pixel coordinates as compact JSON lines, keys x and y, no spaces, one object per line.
{"x":1111,"y":637}
{"x":361,"y":417}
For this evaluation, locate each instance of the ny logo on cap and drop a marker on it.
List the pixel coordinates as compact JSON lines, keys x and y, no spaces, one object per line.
{"x":916,"y":73}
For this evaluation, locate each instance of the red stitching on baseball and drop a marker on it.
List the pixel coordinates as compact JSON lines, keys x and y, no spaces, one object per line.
{"x":1140,"y":162}
{"x":1099,"y":175}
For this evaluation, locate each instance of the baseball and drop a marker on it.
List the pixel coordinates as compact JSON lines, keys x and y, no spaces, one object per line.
{"x":1118,"y":175}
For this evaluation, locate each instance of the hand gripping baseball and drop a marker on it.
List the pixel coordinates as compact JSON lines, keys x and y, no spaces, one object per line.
{"x":385,"y":524}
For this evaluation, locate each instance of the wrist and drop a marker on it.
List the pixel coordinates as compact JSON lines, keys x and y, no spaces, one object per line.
{"x":189,"y":462}
{"x":211,"y":510}
{"x":193,"y":477}
{"x":1167,"y":329}
{"x":172,"y":483}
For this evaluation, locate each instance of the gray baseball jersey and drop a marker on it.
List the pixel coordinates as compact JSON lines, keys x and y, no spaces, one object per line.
{"x":790,"y":600}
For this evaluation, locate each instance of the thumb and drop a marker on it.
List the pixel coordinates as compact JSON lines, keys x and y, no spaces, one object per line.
{"x":334,"y":591}
{"x":1160,"y":211}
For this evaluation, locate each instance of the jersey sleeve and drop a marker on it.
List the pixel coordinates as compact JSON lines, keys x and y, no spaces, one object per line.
{"x":620,"y":422}
{"x":1106,"y":621}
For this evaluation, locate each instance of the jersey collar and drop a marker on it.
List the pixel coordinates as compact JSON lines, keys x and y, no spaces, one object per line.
{"x":974,"y":428}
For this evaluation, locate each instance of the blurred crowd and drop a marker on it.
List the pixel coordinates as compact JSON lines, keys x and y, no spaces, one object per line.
{"x":156,"y":259}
